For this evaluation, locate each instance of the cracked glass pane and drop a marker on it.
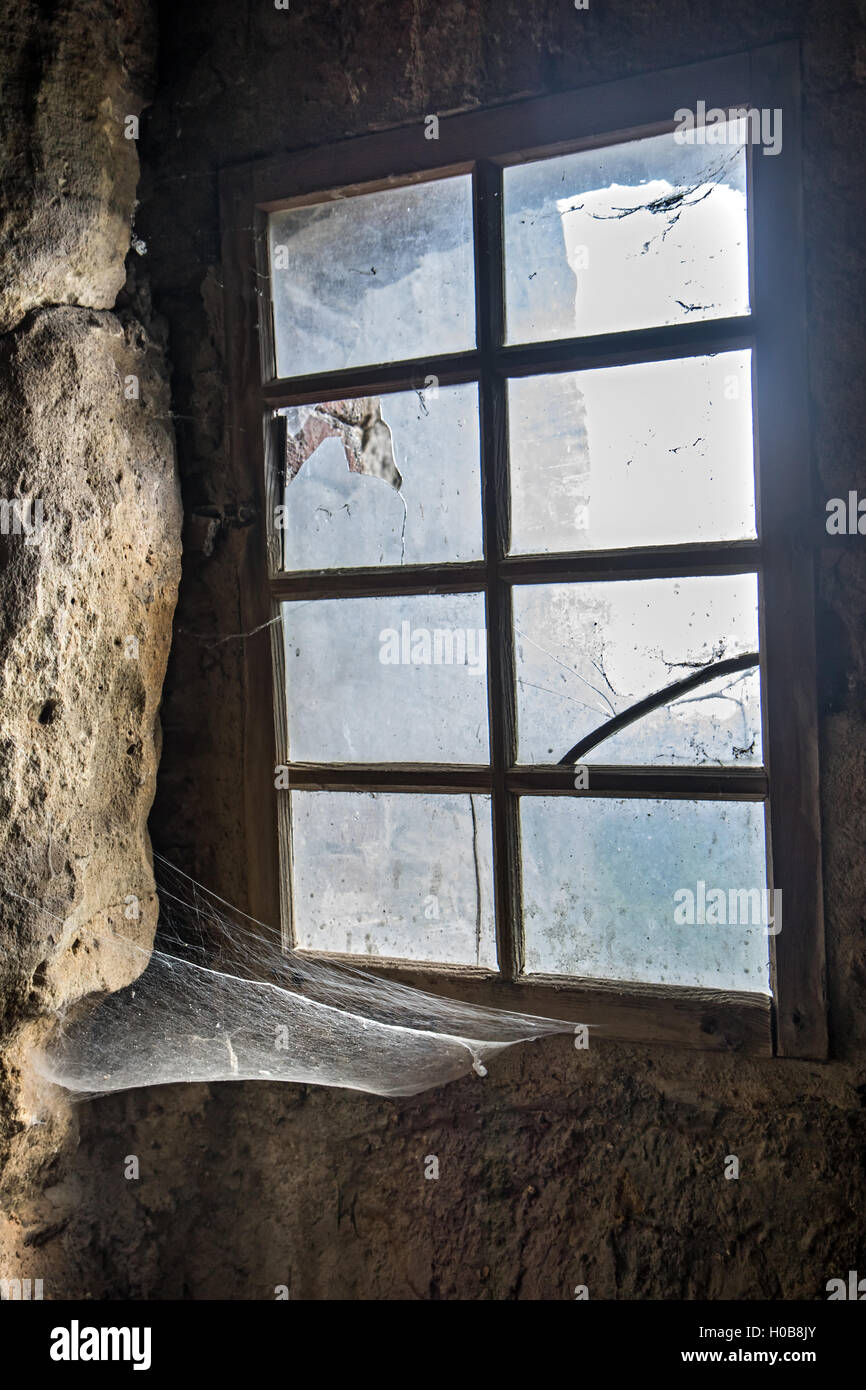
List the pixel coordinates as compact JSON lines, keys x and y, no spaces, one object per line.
{"x":379,"y":277}
{"x":586,"y":652}
{"x":667,"y":892}
{"x":655,"y":453}
{"x":394,"y":874}
{"x":382,"y":480}
{"x":374,"y":680}
{"x":632,"y":236}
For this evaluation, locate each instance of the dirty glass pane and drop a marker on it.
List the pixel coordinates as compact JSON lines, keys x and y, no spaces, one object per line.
{"x":399,"y":679}
{"x":586,"y":652}
{"x":666,"y":892}
{"x":375,"y":278}
{"x":382,"y":480}
{"x":656,"y":453}
{"x":390,"y":874}
{"x":646,"y":233}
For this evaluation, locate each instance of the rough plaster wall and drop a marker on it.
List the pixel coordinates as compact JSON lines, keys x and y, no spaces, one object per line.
{"x":605,"y":1167}
{"x":86,"y":609}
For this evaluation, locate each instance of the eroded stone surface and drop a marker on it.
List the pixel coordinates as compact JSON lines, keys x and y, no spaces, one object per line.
{"x":70,"y":77}
{"x":86,"y":602}
{"x":89,"y":564}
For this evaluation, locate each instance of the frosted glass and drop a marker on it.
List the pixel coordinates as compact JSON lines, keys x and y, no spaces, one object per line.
{"x":380,"y":277}
{"x":399,"y":679}
{"x":635,"y":235}
{"x":657,"y":453}
{"x":383,"y":480}
{"x":388,"y":874}
{"x":586,"y":652}
{"x":599,"y":879}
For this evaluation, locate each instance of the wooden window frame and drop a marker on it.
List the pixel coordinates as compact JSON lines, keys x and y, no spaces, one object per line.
{"x":483,"y":142}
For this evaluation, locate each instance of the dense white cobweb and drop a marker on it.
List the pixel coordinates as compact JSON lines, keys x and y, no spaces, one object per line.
{"x":219,"y":999}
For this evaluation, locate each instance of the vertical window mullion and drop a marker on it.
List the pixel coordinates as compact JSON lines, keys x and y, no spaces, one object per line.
{"x":787,"y":581}
{"x":494,"y":480}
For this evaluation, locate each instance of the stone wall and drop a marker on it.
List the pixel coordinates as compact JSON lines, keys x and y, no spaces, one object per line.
{"x":88,"y":586}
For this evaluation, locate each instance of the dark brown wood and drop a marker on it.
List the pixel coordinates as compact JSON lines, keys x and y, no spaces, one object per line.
{"x":604,"y":114}
{"x":408,"y":579}
{"x":274,"y":469}
{"x":636,"y":345}
{"x":687,"y":783}
{"x":371,"y":381}
{"x":729,"y":557}
{"x":525,"y":359}
{"x":412,"y":176}
{"x":735,"y":557}
{"x":497,"y":137}
{"x":781,"y":395}
{"x":264,"y":298}
{"x":489,"y":295}
{"x":711,"y":1020}
{"x":246,"y":433}
{"x":285,"y":877}
{"x":716,"y":784}
{"x":391,"y":777}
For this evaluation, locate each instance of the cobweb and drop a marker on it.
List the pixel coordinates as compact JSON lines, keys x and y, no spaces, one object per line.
{"x":220,"y":999}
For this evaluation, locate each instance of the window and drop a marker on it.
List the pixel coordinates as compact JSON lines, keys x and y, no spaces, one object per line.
{"x":536,"y":721}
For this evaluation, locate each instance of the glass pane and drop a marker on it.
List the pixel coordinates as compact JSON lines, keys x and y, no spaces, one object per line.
{"x":587,"y":652}
{"x":390,"y":874}
{"x":375,"y":278}
{"x":636,"y":235}
{"x":669,"y":892}
{"x":383,"y":480}
{"x":387,"y":679}
{"x":658,"y":453}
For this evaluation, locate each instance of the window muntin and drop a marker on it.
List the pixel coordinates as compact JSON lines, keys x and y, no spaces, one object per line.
{"x":775,"y":336}
{"x":402,"y":678}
